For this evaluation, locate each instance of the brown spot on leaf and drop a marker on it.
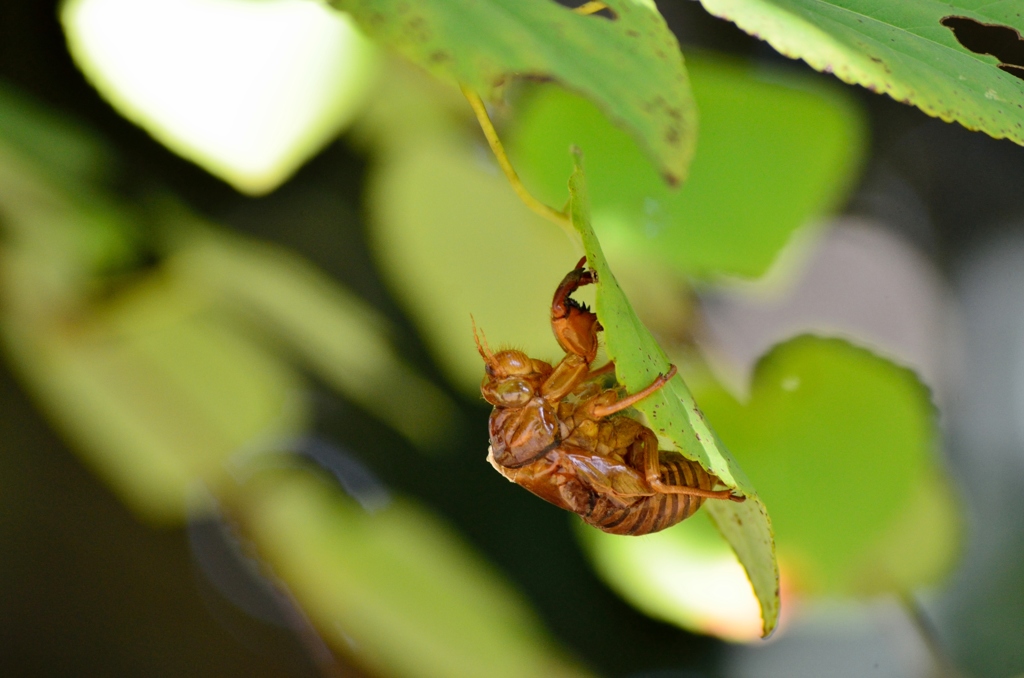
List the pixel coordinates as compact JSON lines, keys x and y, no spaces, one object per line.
{"x":418,"y":29}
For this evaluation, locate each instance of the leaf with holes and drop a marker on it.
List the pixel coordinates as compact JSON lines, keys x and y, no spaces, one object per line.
{"x":674,"y":415}
{"x":959,"y":61}
{"x":629,"y":65}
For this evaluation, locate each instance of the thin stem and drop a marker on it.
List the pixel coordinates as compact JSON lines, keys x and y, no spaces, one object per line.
{"x":537,"y":206}
{"x":591,"y":7}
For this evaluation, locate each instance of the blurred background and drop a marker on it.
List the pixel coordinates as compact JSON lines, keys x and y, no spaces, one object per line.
{"x":241,"y":432}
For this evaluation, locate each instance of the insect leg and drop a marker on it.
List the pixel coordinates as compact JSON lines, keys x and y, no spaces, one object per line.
{"x":590,"y":386}
{"x":604,"y":369}
{"x":652,"y":472}
{"x":628,"y":401}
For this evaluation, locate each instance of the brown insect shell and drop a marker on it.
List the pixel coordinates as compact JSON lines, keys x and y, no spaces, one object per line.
{"x":525,"y":393}
{"x":595,"y":473}
{"x":609,"y":437}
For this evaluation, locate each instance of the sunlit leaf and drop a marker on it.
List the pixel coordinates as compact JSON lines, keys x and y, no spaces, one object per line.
{"x":777,"y":151}
{"x":630,"y":66}
{"x":902,"y":49}
{"x":674,"y":416}
{"x":247,"y":90}
{"x":842,"y":446}
{"x":396,"y":589}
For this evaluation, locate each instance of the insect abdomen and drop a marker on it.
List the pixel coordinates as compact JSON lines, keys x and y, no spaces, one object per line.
{"x":658,"y":511}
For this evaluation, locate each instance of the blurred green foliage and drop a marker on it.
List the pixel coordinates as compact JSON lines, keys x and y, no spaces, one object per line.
{"x":174,"y":355}
{"x":841,"y":443}
{"x":182,"y":375}
{"x":396,"y":586}
{"x":777,"y":151}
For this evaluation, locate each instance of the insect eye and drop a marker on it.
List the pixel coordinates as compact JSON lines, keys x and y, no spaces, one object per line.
{"x":514,"y":392}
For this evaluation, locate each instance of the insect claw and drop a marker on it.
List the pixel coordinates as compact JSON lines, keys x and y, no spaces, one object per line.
{"x":575,"y":326}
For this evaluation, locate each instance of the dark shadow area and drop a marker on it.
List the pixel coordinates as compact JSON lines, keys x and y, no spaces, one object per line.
{"x":87,"y":590}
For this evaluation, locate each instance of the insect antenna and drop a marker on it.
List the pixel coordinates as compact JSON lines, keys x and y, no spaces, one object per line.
{"x":481,"y":343}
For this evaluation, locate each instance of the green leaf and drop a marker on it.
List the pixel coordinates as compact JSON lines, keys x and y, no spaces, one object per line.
{"x":777,"y":151}
{"x":842,"y":445}
{"x":396,"y":588}
{"x":630,"y":67}
{"x":674,"y":415}
{"x":164,"y":383}
{"x":897,"y":48}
